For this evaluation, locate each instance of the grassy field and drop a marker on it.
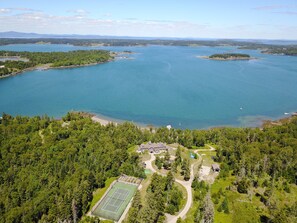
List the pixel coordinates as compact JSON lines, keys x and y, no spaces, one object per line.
{"x":185,"y":195}
{"x":207,"y":157}
{"x":244,"y":208}
{"x":145,"y":156}
{"x":190,"y":215}
{"x":145,"y":184}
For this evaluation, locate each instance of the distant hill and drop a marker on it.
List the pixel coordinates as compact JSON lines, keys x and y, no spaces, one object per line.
{"x":13,"y":34}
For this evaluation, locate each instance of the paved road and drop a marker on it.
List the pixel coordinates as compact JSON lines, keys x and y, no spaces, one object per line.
{"x":185,"y":184}
{"x":206,"y":150}
{"x":211,"y":148}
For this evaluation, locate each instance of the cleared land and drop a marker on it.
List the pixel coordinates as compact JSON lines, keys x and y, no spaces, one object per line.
{"x":115,"y":201}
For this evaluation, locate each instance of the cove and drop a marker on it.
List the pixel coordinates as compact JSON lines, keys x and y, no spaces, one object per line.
{"x":160,"y":85}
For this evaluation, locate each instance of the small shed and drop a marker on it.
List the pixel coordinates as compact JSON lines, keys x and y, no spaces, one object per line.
{"x":216,"y":167}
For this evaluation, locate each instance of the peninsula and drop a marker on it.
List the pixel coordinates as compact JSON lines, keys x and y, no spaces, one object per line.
{"x":229,"y":56}
{"x":12,"y":63}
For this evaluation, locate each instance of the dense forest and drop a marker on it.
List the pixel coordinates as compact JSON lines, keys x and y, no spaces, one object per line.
{"x":162,"y":197}
{"x":49,"y":169}
{"x":52,"y":59}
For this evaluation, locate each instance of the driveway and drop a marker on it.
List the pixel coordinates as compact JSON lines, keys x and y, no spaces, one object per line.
{"x":186,"y":184}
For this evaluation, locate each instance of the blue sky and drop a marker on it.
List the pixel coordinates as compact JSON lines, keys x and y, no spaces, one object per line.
{"x":255,"y":19}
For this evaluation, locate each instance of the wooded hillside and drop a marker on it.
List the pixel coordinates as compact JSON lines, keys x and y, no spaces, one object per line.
{"x":49,"y":168}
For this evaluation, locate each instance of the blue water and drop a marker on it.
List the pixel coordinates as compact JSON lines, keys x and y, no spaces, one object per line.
{"x":162,"y":85}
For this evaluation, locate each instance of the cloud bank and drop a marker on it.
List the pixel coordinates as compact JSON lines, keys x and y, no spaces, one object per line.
{"x":80,"y":21}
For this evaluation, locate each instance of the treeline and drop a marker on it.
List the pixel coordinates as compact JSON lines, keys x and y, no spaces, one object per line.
{"x":264,"y":164}
{"x":55,"y":59}
{"x":289,"y":51}
{"x":49,"y":168}
{"x":143,"y":42}
{"x":48,"y":172}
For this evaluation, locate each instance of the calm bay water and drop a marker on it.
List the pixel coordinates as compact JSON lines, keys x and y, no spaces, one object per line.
{"x":160,"y":86}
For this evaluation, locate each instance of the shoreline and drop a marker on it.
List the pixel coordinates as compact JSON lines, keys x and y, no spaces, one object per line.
{"x":104,"y":120}
{"x":114,"y":55}
{"x":48,"y":67}
{"x":261,"y":122}
{"x":42,"y":67}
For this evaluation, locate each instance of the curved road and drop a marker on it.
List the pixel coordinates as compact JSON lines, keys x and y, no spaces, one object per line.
{"x":185,"y":184}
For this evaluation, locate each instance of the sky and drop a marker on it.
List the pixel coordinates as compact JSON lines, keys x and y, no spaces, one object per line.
{"x":237,"y":19}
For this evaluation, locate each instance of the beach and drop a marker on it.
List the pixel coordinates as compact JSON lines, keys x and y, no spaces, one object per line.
{"x":106,"y":120}
{"x":103,"y":121}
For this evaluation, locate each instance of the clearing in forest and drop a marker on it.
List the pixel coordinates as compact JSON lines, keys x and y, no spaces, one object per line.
{"x":115,"y":201}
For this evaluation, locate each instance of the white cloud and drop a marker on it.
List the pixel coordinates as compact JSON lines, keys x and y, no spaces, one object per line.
{"x":3,"y":10}
{"x":40,"y":22}
{"x":82,"y":24}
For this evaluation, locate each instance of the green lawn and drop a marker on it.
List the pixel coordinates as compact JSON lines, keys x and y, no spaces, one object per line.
{"x":145,"y":156}
{"x":207,"y":157}
{"x":132,"y":149}
{"x":211,"y":144}
{"x":145,"y":184}
{"x":240,"y":207}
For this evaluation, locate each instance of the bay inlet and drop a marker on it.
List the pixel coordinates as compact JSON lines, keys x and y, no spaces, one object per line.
{"x":162,"y":85}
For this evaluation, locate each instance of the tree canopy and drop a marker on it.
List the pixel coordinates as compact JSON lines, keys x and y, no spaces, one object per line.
{"x":52,"y":59}
{"x":49,"y":168}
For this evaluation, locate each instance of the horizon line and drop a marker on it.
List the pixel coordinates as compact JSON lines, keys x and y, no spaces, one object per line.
{"x":118,"y":36}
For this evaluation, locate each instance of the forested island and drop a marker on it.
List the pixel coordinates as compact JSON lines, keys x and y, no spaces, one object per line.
{"x":16,"y":62}
{"x":50,"y":168}
{"x":229,"y":56}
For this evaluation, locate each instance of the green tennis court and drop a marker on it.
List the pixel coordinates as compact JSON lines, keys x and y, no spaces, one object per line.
{"x":115,"y":201}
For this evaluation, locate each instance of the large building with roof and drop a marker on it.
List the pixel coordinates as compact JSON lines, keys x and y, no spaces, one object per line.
{"x":153,"y":147}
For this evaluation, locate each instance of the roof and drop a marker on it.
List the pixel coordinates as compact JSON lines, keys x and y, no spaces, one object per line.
{"x":215,"y":166}
{"x":152,"y":146}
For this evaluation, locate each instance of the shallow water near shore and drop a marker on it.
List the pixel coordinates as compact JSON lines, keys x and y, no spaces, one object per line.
{"x":162,"y":85}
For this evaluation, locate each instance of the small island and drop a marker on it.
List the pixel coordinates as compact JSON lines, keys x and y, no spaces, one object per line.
{"x":229,"y":56}
{"x":12,"y":63}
